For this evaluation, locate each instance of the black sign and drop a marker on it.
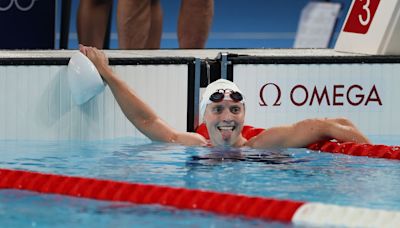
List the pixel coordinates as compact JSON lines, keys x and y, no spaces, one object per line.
{"x":27,"y":24}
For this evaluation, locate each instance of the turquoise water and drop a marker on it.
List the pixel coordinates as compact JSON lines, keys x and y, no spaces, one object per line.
{"x":296,"y":174}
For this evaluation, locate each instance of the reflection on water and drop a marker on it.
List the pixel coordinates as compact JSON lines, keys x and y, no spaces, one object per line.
{"x":27,"y":209}
{"x":267,"y":156}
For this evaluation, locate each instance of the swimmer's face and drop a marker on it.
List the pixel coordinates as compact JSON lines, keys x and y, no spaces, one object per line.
{"x":224,"y":121}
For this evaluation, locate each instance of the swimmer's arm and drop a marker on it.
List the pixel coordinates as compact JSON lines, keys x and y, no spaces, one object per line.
{"x":309,"y":131}
{"x":145,"y":119}
{"x":135,"y":109}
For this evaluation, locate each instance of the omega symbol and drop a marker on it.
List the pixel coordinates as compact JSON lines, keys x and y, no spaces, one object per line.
{"x":277,"y":101}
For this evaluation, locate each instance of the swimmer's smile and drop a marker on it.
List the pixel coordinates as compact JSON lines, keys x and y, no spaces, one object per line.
{"x":226,"y":131}
{"x":226,"y":128}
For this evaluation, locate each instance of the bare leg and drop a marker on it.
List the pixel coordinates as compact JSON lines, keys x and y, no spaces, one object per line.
{"x":154,"y":39}
{"x":194,"y":23}
{"x":92,"y":21}
{"x":135,"y":23}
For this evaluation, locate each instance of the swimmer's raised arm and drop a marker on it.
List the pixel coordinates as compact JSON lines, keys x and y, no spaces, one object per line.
{"x":135,"y":109}
{"x":306,"y":132}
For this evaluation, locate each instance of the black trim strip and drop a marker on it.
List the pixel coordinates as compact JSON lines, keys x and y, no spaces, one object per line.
{"x":313,"y":59}
{"x":215,"y":72}
{"x":152,"y":61}
{"x":233,"y":59}
{"x":33,"y":61}
{"x":196,"y":100}
{"x":230,"y":72}
{"x":113,"y":61}
{"x":190,"y":97}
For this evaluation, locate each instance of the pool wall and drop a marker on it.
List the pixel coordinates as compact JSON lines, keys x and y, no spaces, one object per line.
{"x":36,"y":103}
{"x":365,"y":93}
{"x":281,"y":86}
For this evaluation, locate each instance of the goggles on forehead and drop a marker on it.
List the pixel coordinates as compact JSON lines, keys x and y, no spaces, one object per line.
{"x":219,"y":95}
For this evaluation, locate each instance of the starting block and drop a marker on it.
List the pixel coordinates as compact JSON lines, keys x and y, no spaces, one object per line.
{"x":371,"y":27}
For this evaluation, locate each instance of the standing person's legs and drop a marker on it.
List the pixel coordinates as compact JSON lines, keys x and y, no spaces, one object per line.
{"x":136,"y":28}
{"x":92,"y":21}
{"x":194,"y":23}
{"x":154,"y":40}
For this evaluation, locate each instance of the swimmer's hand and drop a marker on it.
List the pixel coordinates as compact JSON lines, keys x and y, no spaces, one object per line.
{"x":99,"y":59}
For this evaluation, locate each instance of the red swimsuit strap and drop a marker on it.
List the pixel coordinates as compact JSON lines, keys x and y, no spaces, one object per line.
{"x":248,"y":132}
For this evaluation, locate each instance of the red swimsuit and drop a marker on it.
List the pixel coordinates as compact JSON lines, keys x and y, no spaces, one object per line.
{"x":248,"y":132}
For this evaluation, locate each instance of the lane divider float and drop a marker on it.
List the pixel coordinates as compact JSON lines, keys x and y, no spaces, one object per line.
{"x":281,"y":210}
{"x":355,"y":149}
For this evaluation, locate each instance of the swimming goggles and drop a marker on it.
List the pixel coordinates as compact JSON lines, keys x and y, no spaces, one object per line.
{"x":219,"y":95}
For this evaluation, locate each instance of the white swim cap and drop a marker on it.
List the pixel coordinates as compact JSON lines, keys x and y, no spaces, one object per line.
{"x":220,"y":84}
{"x":84,"y":80}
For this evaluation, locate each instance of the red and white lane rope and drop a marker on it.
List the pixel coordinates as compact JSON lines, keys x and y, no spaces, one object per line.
{"x":222,"y":203}
{"x":355,"y":149}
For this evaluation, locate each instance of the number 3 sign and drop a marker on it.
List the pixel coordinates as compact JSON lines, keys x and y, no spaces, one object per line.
{"x":361,"y":16}
{"x":371,"y":27}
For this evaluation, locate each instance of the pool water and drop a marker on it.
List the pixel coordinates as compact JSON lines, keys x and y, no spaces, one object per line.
{"x":296,"y":174}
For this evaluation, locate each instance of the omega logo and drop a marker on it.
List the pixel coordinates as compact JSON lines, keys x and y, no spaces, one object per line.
{"x":339,"y":95}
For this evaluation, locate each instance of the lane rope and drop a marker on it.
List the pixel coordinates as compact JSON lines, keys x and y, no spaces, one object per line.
{"x":355,"y":149}
{"x":281,"y":210}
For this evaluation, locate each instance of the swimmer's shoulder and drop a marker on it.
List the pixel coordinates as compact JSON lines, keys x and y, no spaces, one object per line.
{"x":250,"y":143}
{"x":259,"y":141}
